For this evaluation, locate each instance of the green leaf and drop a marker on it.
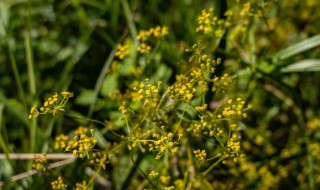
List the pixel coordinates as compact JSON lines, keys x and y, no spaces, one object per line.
{"x":16,"y":109}
{"x":85,"y":97}
{"x":101,"y":140}
{"x":110,"y":83}
{"x":298,"y":48}
{"x":307,"y":65}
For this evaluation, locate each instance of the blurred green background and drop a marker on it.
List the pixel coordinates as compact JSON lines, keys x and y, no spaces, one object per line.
{"x":53,"y":46}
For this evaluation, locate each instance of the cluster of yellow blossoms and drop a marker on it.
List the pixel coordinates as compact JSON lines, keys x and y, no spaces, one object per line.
{"x":60,"y":141}
{"x":41,"y":162}
{"x":222,"y":83}
{"x":81,"y":144}
{"x":209,"y":23}
{"x":314,"y":124}
{"x":235,"y":109}
{"x":143,"y":36}
{"x":144,"y":48}
{"x":122,"y":51}
{"x":58,"y":184}
{"x":238,"y":17}
{"x":201,"y":108}
{"x":182,"y":89}
{"x":125,"y":109}
{"x":163,"y":143}
{"x":100,"y":159}
{"x":81,"y":186}
{"x":52,"y":105}
{"x":147,"y":92}
{"x":153,"y":174}
{"x":200,"y":154}
{"x":234,"y":144}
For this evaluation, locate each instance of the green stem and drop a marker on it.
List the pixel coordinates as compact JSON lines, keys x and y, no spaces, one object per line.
{"x":90,"y":183}
{"x":126,"y":183}
{"x":17,"y":77}
{"x":153,"y":52}
{"x":212,"y":166}
{"x":29,"y":56}
{"x":160,"y":102}
{"x":129,"y":18}
{"x":141,"y":171}
{"x":95,"y":121}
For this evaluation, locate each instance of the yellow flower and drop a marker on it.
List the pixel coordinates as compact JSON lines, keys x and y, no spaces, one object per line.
{"x":58,"y":184}
{"x":52,"y":105}
{"x":144,"y":48}
{"x":122,"y":51}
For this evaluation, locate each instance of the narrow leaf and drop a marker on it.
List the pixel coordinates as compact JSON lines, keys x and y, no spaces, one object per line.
{"x":307,"y":65}
{"x":298,"y":48}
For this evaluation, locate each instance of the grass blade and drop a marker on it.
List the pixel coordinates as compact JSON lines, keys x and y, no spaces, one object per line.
{"x":298,"y":48}
{"x":22,"y":116}
{"x":307,"y":65}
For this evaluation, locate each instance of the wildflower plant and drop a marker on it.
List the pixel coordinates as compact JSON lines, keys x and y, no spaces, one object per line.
{"x":170,"y":107}
{"x":159,"y":120}
{"x":181,"y":131}
{"x":40,"y":163}
{"x":58,"y":184}
{"x":52,"y":105}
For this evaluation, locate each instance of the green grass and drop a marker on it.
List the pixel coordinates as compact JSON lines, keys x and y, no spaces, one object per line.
{"x":272,"y":54}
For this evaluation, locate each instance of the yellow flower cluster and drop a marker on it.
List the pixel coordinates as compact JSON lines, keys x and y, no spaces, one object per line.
{"x":207,"y":128}
{"x":235,"y":109}
{"x":163,"y":143}
{"x":314,"y":124}
{"x":100,"y":159}
{"x":149,"y":93}
{"x":238,"y":17}
{"x":201,"y":74}
{"x":137,"y":137}
{"x":290,"y":151}
{"x":200,"y":154}
{"x":268,"y":179}
{"x":234,"y":144}
{"x":82,"y":186}
{"x":196,"y":51}
{"x":208,"y":65}
{"x":58,"y":184}
{"x":60,"y":141}
{"x":200,"y":126}
{"x":157,"y":32}
{"x":201,"y":108}
{"x":315,"y":150}
{"x":165,"y":179}
{"x":182,"y":89}
{"x":122,"y":51}
{"x":144,"y":48}
{"x":82,"y":142}
{"x":205,"y":21}
{"x":125,"y":109}
{"x":222,"y":83}
{"x":208,"y":23}
{"x":41,"y":162}
{"x":245,"y":9}
{"x":52,"y":105}
{"x":153,"y":174}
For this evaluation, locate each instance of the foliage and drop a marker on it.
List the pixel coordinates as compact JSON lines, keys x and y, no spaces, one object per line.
{"x":154,"y":95}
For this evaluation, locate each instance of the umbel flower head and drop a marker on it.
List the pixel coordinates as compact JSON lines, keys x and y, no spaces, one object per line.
{"x":40,"y":162}
{"x":82,"y":143}
{"x":52,"y":105}
{"x":58,"y":184}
